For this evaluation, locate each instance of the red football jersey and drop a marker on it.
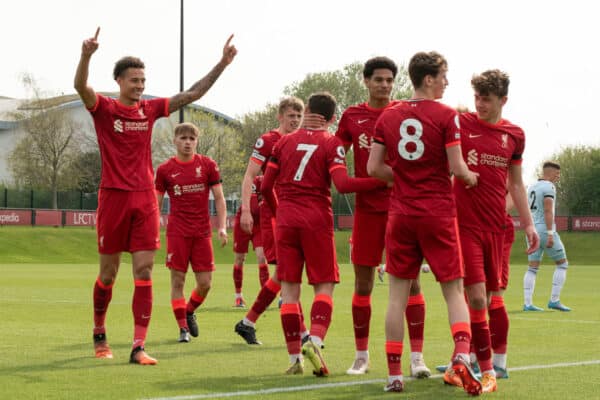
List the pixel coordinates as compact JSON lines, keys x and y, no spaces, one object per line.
{"x":489,"y":150}
{"x":416,"y":134}
{"x":264,"y":147}
{"x":188,"y":184}
{"x":124,"y":136}
{"x":356,"y":128}
{"x":305,"y":160}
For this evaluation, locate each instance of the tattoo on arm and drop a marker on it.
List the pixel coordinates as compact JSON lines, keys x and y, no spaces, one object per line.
{"x":197,"y":90}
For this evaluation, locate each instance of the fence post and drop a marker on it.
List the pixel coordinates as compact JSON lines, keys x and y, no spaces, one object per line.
{"x":5,"y":197}
{"x":31,"y":199}
{"x":81,"y":199}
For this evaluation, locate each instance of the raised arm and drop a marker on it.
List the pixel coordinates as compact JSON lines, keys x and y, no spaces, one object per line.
{"x":199,"y":88}
{"x":87,"y":94}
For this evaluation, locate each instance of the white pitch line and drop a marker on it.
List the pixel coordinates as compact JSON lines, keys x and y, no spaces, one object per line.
{"x":351,"y":383}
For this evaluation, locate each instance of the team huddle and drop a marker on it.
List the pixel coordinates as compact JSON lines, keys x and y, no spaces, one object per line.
{"x":432,"y":183}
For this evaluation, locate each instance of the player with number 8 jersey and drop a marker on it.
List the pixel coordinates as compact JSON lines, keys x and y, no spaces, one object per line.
{"x":421,"y":139}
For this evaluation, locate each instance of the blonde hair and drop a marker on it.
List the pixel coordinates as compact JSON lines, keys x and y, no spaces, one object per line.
{"x":186,"y":127}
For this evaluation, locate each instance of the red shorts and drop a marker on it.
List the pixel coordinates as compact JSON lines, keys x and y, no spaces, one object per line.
{"x":316,"y":247}
{"x":266,"y":233}
{"x":127,"y":221}
{"x":482,"y":252}
{"x":368,"y":238}
{"x":509,"y":238}
{"x":241,"y":239}
{"x":409,"y":239}
{"x":182,"y":251}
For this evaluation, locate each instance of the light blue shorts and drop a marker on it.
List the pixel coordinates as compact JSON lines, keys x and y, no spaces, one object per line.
{"x":556,"y":252}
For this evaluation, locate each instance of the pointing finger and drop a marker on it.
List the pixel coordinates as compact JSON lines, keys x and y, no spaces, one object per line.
{"x":97,"y":32}
{"x":229,"y":40}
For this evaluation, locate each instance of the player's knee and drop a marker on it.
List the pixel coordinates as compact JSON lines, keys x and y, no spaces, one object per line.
{"x":415,"y":288}
{"x":363,"y":287}
{"x":478,"y":302}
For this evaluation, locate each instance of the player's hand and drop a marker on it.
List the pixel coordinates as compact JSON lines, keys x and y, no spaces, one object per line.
{"x":461,"y":108}
{"x":229,"y":51}
{"x":90,"y":45}
{"x":223,"y":237}
{"x":550,"y":241}
{"x":246,"y":221}
{"x":313,"y":121}
{"x":532,"y":239}
{"x":363,"y":142}
{"x":471,"y":179}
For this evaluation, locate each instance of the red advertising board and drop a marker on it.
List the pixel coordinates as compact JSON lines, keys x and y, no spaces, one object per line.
{"x":15,"y":217}
{"x":48,"y":217}
{"x":345,"y":221}
{"x":562,"y":223}
{"x":585,"y":223}
{"x":80,"y":218}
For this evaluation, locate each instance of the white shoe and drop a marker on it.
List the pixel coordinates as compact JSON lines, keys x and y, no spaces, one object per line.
{"x":418,"y":369}
{"x":359,"y":367}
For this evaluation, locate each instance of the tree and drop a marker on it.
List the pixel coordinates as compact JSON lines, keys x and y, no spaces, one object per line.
{"x":346,"y":85}
{"x":86,"y":167}
{"x":255,"y":124}
{"x":578,"y":192}
{"x":40,"y":159}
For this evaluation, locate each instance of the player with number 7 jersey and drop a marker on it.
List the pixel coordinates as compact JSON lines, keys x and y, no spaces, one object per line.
{"x":303,"y":164}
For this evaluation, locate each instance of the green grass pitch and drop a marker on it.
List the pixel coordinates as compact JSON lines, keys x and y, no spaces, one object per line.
{"x":46,"y":278}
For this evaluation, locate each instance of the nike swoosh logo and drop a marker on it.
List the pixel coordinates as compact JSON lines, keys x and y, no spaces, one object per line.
{"x":360,"y":121}
{"x":473,"y":136}
{"x":174,"y":175}
{"x":145,"y":316}
{"x":416,"y":323}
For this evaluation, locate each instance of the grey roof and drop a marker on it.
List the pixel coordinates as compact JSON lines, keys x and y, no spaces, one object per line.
{"x":8,"y":105}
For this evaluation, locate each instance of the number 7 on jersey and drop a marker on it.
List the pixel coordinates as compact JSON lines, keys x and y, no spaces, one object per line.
{"x":309,"y":149}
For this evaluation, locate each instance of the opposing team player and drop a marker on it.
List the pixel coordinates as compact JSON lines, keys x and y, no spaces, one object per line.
{"x":542,"y":197}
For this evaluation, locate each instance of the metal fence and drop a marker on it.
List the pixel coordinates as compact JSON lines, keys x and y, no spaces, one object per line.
{"x":77,"y":200}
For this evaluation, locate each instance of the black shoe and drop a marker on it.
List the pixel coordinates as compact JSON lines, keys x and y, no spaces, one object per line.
{"x":99,"y":338}
{"x":192,"y":324}
{"x":247,"y":332}
{"x":184,"y":336}
{"x":144,"y":359}
{"x":305,"y":339}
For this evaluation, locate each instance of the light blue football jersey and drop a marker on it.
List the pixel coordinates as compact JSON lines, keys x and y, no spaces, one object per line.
{"x":537,"y":193}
